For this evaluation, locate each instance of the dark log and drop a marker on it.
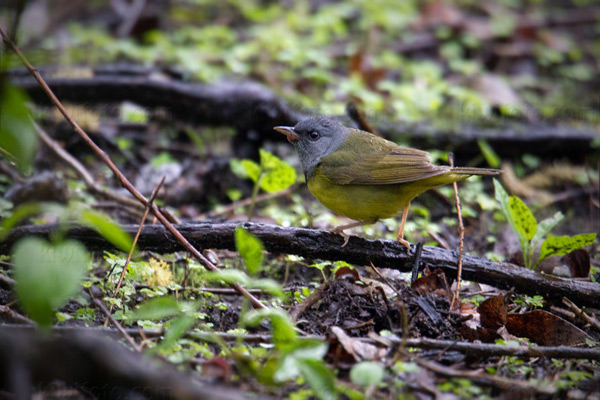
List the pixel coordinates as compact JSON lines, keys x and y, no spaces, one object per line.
{"x":97,"y":366}
{"x":253,"y":110}
{"x":312,"y":243}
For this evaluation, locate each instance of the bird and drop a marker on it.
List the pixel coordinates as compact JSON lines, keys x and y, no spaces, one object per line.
{"x":365,"y":177}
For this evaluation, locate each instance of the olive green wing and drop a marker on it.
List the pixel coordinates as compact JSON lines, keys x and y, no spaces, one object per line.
{"x":365,"y":159}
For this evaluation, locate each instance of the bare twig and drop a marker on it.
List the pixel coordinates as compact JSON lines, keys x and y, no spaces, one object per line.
{"x":83,"y":173}
{"x":120,"y":176}
{"x":245,"y":202}
{"x":116,"y":323}
{"x":461,"y":236}
{"x":137,"y":235}
{"x":582,"y":314}
{"x":8,"y":313}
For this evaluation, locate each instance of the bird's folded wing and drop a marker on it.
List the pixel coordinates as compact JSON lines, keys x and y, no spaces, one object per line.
{"x":370,"y":160}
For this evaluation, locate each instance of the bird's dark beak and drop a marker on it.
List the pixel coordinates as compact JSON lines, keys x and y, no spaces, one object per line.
{"x":289,"y":132}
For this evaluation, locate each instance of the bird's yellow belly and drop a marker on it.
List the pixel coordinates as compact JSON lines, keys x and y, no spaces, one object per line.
{"x":361,"y":202}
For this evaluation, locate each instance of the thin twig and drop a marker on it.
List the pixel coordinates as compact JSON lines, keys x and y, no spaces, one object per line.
{"x":83,"y":173}
{"x":120,"y":176}
{"x":245,"y":202}
{"x":461,"y":236}
{"x":582,"y":314}
{"x":137,"y":235}
{"x":116,"y":323}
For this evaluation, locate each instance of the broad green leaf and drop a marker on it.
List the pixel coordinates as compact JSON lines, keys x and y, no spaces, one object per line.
{"x":252,"y":169}
{"x":17,"y":134}
{"x":47,"y":275}
{"x":277,"y":174}
{"x":525,"y":223}
{"x":108,"y":228}
{"x":288,"y":366}
{"x":250,"y":249}
{"x":560,"y":245}
{"x":270,"y":286}
{"x":177,"y":328}
{"x":157,"y":308}
{"x":367,"y":373}
{"x":545,"y":226}
{"x":282,"y":327}
{"x":228,"y":275}
{"x":319,"y":377}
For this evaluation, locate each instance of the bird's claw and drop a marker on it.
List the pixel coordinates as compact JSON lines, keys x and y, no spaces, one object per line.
{"x":344,"y":235}
{"x":405,"y":243}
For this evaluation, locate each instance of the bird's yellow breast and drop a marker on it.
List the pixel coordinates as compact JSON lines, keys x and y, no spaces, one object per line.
{"x":370,"y":202}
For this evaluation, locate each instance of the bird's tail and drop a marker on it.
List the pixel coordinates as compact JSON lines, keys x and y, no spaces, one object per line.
{"x":476,"y":171}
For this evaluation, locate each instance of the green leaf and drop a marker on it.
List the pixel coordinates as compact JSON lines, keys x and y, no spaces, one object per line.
{"x":228,"y":275}
{"x":319,"y":377}
{"x":525,"y":223}
{"x":250,"y":249}
{"x":288,"y":364}
{"x":490,"y":155}
{"x":108,"y":228}
{"x":17,"y":134}
{"x":177,"y":328}
{"x":47,"y":275}
{"x":545,"y":226}
{"x":270,"y":286}
{"x":560,"y":245}
{"x":20,"y":213}
{"x":252,"y":169}
{"x":157,"y":308}
{"x":277,"y":174}
{"x":367,"y":373}
{"x":282,"y":327}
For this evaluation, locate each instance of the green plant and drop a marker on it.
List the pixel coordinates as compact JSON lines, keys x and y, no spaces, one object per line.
{"x":531,"y":233}
{"x":271,"y":175}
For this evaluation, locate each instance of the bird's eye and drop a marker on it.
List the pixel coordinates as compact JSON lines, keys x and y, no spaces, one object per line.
{"x":314,"y":135}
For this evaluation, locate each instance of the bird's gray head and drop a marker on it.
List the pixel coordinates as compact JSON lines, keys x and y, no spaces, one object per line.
{"x":314,"y":138}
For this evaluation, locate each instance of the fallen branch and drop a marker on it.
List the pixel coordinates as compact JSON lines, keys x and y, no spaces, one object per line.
{"x":253,"y":110}
{"x":479,"y":350}
{"x":97,"y":366}
{"x":313,"y":244}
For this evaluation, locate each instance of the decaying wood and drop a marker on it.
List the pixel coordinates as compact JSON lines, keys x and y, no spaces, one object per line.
{"x":97,"y":366}
{"x":253,"y":110}
{"x":316,"y":244}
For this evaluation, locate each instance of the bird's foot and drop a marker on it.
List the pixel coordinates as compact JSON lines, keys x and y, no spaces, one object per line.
{"x":340,"y":232}
{"x":404,"y":242}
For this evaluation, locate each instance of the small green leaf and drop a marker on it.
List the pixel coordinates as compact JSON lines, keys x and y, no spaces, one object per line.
{"x":108,"y":228}
{"x":282,"y":327}
{"x":250,"y":249}
{"x":490,"y":155}
{"x":545,"y":226}
{"x":17,"y":134}
{"x":525,"y":223}
{"x":177,"y":328}
{"x":287,"y":367}
{"x":157,"y":308}
{"x":47,"y":275}
{"x":228,"y":275}
{"x":278,"y":175}
{"x":560,"y":245}
{"x":252,"y":169}
{"x":367,"y":373}
{"x":319,"y":377}
{"x":270,"y":286}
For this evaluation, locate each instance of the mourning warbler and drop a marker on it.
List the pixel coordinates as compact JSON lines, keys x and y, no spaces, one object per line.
{"x":362,"y":176}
